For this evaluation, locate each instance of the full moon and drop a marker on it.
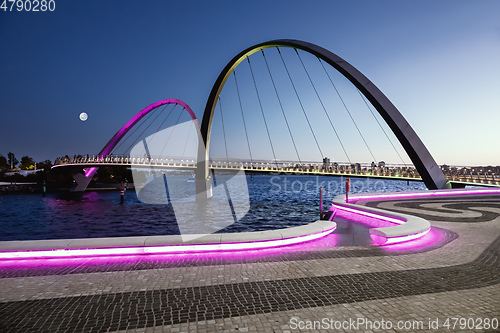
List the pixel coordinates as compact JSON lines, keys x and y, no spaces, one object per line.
{"x":83,"y":116}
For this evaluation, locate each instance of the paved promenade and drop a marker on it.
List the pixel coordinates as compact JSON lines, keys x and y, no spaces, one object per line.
{"x":454,"y":272}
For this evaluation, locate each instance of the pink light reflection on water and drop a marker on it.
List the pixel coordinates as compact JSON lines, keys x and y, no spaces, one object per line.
{"x":82,"y":209}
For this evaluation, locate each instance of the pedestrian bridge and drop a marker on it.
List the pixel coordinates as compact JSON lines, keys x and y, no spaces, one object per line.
{"x":304,"y":113}
{"x":456,"y":175}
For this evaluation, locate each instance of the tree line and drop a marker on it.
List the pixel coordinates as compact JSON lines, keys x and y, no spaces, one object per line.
{"x":27,"y":163}
{"x":58,"y":178}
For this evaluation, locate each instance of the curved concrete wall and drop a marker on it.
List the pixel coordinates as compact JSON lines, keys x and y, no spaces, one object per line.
{"x":164,"y":244}
{"x":403,"y":227}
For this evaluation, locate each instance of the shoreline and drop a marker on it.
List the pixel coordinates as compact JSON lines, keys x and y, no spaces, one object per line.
{"x":8,"y":188}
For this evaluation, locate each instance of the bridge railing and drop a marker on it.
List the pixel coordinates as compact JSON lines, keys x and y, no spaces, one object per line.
{"x":392,"y":170}
{"x":489,"y":175}
{"x":344,"y":168}
{"x":126,"y":160}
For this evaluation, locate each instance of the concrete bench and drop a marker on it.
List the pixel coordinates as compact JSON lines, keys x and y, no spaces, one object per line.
{"x":388,"y":227}
{"x":190,"y":243}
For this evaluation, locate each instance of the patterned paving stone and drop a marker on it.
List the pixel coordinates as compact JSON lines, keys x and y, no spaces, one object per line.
{"x":458,"y":276}
{"x":133,"y":263}
{"x":173,"y":306}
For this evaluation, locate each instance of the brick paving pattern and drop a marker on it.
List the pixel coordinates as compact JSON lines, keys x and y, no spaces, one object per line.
{"x":456,"y":276}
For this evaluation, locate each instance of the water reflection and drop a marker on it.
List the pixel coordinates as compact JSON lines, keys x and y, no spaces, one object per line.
{"x":100,"y":214}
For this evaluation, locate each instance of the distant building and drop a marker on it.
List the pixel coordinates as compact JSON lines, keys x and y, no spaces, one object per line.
{"x":326,"y":163}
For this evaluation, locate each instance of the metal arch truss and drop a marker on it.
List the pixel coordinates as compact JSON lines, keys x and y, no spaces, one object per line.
{"x":82,"y":181}
{"x":427,"y":167}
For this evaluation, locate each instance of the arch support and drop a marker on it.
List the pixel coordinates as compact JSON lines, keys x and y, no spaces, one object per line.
{"x":83,"y":180}
{"x":427,"y":167}
{"x":135,"y":119}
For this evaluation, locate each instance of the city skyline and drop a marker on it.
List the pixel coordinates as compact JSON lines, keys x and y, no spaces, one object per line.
{"x":435,"y":62}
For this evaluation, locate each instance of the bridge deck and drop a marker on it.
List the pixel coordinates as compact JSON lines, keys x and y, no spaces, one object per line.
{"x":342,"y":170}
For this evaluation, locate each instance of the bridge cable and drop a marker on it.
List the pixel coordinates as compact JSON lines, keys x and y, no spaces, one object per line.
{"x":262,"y":111}
{"x":172,"y":132}
{"x":300,"y":102}
{"x":129,"y":135}
{"x":140,"y":135}
{"x":168,"y":115}
{"x":155,"y":111}
{"x":223,"y":129}
{"x":383,"y":130}
{"x":347,"y":109}
{"x":323,"y":105}
{"x":158,"y":129}
{"x":243,"y":116}
{"x":187,"y":139}
{"x":281,"y":106}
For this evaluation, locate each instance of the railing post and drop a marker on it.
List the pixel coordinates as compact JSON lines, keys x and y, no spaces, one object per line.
{"x":122,"y":193}
{"x":321,"y":215}
{"x":347,"y":189}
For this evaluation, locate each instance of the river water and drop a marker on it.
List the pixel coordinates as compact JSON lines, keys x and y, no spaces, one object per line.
{"x":273,"y":202}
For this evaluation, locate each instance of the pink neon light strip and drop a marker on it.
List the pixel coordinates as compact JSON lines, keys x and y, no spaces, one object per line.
{"x":89,"y":173}
{"x":380,"y":240}
{"x":163,"y":249}
{"x":370,"y":214}
{"x":423,"y":194}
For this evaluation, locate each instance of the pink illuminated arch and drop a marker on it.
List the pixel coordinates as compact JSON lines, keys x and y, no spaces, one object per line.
{"x":89,"y":173}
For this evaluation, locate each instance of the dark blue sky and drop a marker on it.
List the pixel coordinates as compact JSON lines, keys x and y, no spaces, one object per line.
{"x":436,"y":60}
